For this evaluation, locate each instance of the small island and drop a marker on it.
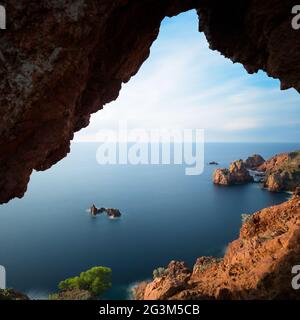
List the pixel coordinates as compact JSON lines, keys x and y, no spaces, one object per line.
{"x":236,"y":174}
{"x":111,"y":212}
{"x":277,"y":174}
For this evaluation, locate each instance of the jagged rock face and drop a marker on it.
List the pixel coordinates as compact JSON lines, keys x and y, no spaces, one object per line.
{"x":274,"y":182}
{"x":256,"y":266}
{"x":62,"y":60}
{"x":222,"y":177}
{"x":176,"y":280}
{"x":257,"y":34}
{"x":274,"y":163}
{"x":10,"y":294}
{"x":255,"y":161}
{"x":237,"y":174}
{"x":282,"y":172}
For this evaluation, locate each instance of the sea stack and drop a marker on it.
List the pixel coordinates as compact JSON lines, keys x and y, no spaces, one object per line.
{"x":111,"y":212}
{"x":93,"y":210}
{"x":236,"y":174}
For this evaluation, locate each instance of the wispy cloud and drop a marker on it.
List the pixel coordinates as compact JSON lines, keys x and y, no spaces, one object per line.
{"x":185,"y":85}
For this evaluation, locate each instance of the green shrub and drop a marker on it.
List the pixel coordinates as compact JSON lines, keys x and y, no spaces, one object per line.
{"x":96,"y":281}
{"x":246,"y":217}
{"x":159,"y":272}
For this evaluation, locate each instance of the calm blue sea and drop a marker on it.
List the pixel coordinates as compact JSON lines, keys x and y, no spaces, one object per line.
{"x":48,"y":235}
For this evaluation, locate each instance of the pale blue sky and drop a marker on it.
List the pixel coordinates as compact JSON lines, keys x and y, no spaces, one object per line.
{"x":186,"y":85}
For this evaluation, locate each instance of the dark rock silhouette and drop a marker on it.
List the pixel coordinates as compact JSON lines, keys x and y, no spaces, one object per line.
{"x":60,"y":62}
{"x":111,"y":212}
{"x":11,"y":294}
{"x":93,"y":210}
{"x":254,"y":161}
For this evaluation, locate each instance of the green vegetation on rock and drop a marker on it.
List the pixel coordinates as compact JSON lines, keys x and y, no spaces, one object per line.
{"x":159,"y":272}
{"x":246,"y":217}
{"x":96,"y":281}
{"x":89,"y":284}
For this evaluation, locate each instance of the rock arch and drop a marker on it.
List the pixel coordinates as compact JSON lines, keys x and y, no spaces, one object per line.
{"x":63,"y":60}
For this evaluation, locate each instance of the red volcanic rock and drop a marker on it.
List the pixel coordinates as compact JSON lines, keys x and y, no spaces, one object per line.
{"x":222,"y":177}
{"x":254,"y":161}
{"x":274,"y":163}
{"x":274,"y":182}
{"x":138,"y":290}
{"x":237,"y":174}
{"x":61,"y":61}
{"x":256,"y":266}
{"x":174,"y":280}
{"x":282,"y":172}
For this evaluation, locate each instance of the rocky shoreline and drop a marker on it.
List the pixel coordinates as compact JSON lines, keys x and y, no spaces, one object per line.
{"x":258,"y":264}
{"x":255,"y":266}
{"x":236,"y":174}
{"x":279,"y":173}
{"x":282,"y":172}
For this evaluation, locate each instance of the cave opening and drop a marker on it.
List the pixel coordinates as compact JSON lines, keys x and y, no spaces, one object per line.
{"x":166,"y":215}
{"x":183,"y":84}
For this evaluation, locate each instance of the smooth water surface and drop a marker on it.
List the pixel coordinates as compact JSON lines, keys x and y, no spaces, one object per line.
{"x":48,"y":235}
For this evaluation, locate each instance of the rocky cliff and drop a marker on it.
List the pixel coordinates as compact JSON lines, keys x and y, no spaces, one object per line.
{"x":254,"y":161}
{"x":256,"y":266}
{"x":236,"y":174}
{"x":282,"y":172}
{"x":60,"y":61}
